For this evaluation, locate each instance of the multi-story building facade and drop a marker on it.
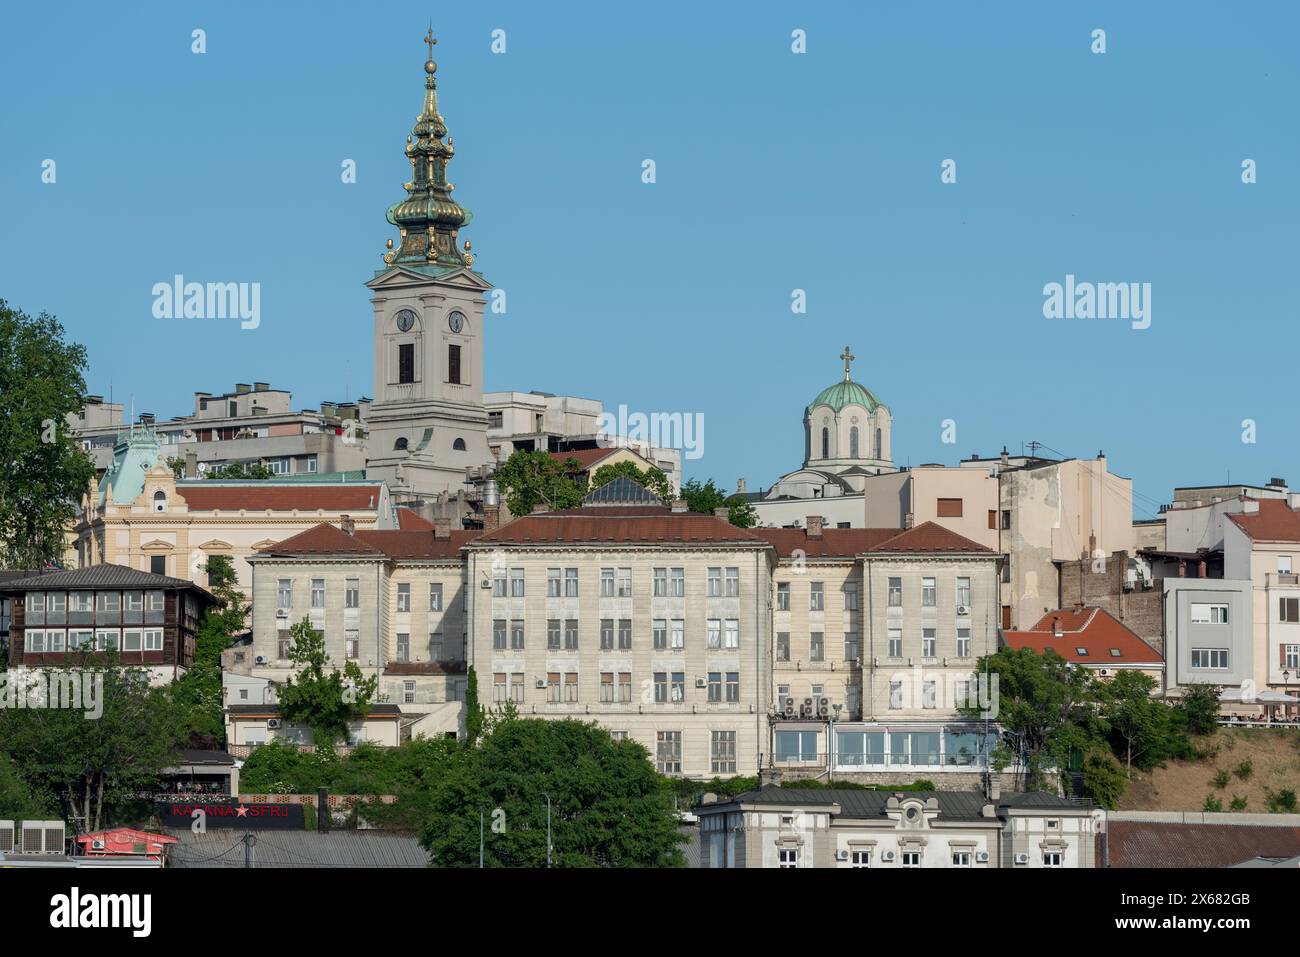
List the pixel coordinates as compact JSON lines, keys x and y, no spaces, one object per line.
{"x":653,"y":622}
{"x":140,"y":515}
{"x":1261,"y":545}
{"x":149,"y":621}
{"x":778,"y":827}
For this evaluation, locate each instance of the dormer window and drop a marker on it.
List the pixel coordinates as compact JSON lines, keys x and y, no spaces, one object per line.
{"x":160,"y":501}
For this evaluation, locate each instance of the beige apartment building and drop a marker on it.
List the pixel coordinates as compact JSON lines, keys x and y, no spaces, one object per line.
{"x":1261,"y":545}
{"x":139,"y":515}
{"x":653,"y":622}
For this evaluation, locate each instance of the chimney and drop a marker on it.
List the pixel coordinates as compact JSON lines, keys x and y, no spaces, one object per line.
{"x":1201,"y":571}
{"x":442,"y":528}
{"x":740,"y":486}
{"x":540,"y":509}
{"x":814,"y":523}
{"x":1182,"y":569}
{"x":1056,"y":628}
{"x":347,"y":525}
{"x":491,"y":517}
{"x":1006,"y":459}
{"x":191,"y":464}
{"x":723,"y":513}
{"x":679,"y":505}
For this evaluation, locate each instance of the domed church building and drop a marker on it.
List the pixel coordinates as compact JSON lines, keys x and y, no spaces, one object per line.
{"x":846,"y":440}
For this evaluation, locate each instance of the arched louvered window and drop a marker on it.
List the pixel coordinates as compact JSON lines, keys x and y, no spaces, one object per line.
{"x":853,"y":442}
{"x":826,"y":443}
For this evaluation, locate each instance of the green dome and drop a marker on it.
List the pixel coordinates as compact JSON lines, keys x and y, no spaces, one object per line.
{"x":845,"y":393}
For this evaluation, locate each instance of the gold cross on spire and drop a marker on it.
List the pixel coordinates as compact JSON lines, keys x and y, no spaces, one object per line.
{"x":429,"y":41}
{"x":848,"y":356}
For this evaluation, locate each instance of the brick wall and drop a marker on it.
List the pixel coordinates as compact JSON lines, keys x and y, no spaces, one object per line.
{"x":1102,"y":585}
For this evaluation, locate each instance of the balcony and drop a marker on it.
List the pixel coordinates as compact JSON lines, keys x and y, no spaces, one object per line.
{"x":1282,"y":579}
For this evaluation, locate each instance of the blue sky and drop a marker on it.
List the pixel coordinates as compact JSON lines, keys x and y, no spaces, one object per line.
{"x":775,"y":171}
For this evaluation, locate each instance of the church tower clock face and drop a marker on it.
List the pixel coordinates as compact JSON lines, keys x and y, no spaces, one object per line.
{"x":405,"y":320}
{"x":456,"y":322}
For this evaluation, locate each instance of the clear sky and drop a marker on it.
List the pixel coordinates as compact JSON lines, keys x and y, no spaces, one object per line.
{"x":775,"y":172}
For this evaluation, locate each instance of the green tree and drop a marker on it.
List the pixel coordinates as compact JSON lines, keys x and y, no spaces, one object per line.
{"x":1045,"y":704}
{"x":1141,"y":728}
{"x":95,"y":763}
{"x":198,"y":692}
{"x":1104,"y":781}
{"x":706,"y":496}
{"x":608,"y":808}
{"x":43,"y":470}
{"x":473,"y":710}
{"x":652,"y":478}
{"x":530,"y":478}
{"x":1200,"y":704}
{"x":325,"y":701}
{"x":19,"y":801}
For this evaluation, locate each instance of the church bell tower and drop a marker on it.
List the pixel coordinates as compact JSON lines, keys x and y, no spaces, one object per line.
{"x":427,"y":424}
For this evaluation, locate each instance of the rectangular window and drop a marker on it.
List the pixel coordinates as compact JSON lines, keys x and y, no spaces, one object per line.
{"x":895,"y":593}
{"x":406,"y":362}
{"x":625,"y":634}
{"x":733,"y":687}
{"x":895,"y":642}
{"x":963,"y":642}
{"x":928,"y":592}
{"x":570,"y":583}
{"x":108,"y":603}
{"x":783,"y":646}
{"x":678,"y":693}
{"x":1207,"y":614}
{"x":499,"y":634}
{"x":963,"y":593}
{"x":676,"y":634}
{"x":1209,"y":657}
{"x":408,"y":692}
{"x":553,"y":687}
{"x":553,"y":634}
{"x":625,"y":687}
{"x":661,"y":687}
{"x":661,"y":582}
{"x":517,"y":687}
{"x":961,"y":858}
{"x":516,"y":583}
{"x":624,"y":584}
{"x":35,"y":639}
{"x":403,"y":596}
{"x":715,"y":582}
{"x":817,"y":646}
{"x":677,"y":582}
{"x":498,"y":687}
{"x":318,"y":593}
{"x":1290,"y":654}
{"x":928,"y":643}
{"x":993,"y":518}
{"x":850,"y":646}
{"x":1051,"y":858}
{"x":715,"y":687}
{"x":352,"y":644}
{"x":733,"y":582}
{"x":722,"y":752}
{"x":35,"y":607}
{"x":659,"y":633}
{"x":516,"y":634}
{"x":816,"y":597}
{"x":787,"y":858}
{"x":453,"y":364}
{"x":607,"y":583}
{"x":731,"y":634}
{"x":500,"y":589}
{"x":796,"y":746}
{"x":606,"y":634}
{"x":896,"y":695}
{"x":851,"y":596}
{"x":570,"y":687}
{"x":158,"y":564}
{"x":106,"y":639}
{"x":607,"y":687}
{"x":948,"y":508}
{"x":668,"y":752}
{"x":570,"y":634}
{"x":1006,"y":519}
{"x":84,"y":639}
{"x":911,"y":858}
{"x":284,"y":594}
{"x":403,"y":646}
{"x":713,"y":633}
{"x":1288,"y":610}
{"x":131,"y":639}
{"x":782,"y":596}
{"x":435,"y":646}
{"x":860,"y":858}
{"x":554,"y":583}
{"x":352,"y":593}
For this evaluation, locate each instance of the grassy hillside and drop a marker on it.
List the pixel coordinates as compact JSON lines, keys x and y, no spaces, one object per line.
{"x":1273,"y":755}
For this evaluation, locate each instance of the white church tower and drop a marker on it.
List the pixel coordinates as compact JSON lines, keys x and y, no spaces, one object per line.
{"x":427,"y":424}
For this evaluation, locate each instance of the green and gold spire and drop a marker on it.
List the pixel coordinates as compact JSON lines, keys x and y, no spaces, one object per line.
{"x":429,"y":219}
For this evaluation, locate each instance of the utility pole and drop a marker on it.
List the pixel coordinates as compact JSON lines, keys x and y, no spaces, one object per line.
{"x":249,"y":841}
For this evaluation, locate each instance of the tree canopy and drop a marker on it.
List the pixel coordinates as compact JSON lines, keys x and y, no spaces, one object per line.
{"x":198,"y":693}
{"x":327,"y":701}
{"x":706,"y":496}
{"x":44,"y":472}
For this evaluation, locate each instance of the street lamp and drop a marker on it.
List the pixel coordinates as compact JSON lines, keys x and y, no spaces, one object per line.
{"x":1286,"y":685}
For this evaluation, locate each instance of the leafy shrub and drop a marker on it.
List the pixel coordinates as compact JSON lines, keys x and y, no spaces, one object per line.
{"x":1212,"y":804}
{"x":1221,"y":780}
{"x":1238,"y":803}
{"x":1245,"y":769}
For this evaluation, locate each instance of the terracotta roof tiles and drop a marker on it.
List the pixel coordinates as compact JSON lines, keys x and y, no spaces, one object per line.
{"x":209,"y":496}
{"x":1094,"y":630}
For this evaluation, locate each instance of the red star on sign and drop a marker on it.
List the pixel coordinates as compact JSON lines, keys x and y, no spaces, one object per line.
{"x":241,"y":812}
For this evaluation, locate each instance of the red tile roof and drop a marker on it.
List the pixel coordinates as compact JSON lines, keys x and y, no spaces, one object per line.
{"x":1148,"y":844}
{"x":620,"y":526}
{"x":1275,"y":521}
{"x":326,"y":539}
{"x":258,"y":496}
{"x":1093,"y":629}
{"x":409,"y":520}
{"x":930,"y":537}
{"x":833,"y":543}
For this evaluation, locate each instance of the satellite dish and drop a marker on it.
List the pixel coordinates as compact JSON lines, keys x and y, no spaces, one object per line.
{"x":202,"y":466}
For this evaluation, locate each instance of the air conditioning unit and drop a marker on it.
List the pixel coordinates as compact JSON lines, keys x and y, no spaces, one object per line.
{"x":701,"y":683}
{"x":788,"y":707}
{"x":1022,"y":858}
{"x":273,"y":724}
{"x":485,"y":583}
{"x":97,"y":845}
{"x":887,"y":857}
{"x":6,"y":837}
{"x":1104,"y":672}
{"x":806,"y":711}
{"x":841,"y":855}
{"x":963,"y":610}
{"x":41,"y":837}
{"x":282,"y":613}
{"x":261,"y":659}
{"x":823,"y":707}
{"x":540,"y":683}
{"x":981,"y":857}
